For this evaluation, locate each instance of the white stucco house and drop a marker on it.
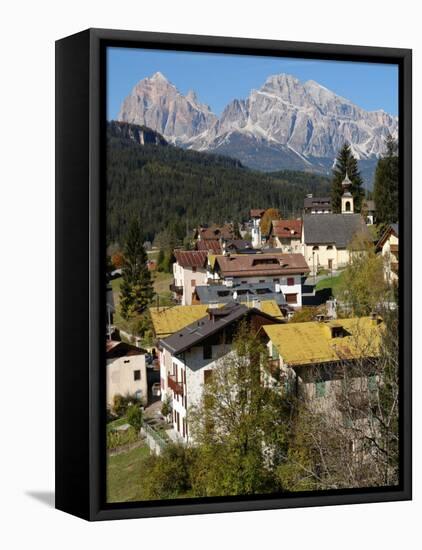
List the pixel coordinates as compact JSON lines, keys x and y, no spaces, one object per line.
{"x":388,"y":246}
{"x":126,"y":371}
{"x":189,"y":271}
{"x":188,"y":357}
{"x":284,"y":270}
{"x":256,"y":216}
{"x":286,"y":235}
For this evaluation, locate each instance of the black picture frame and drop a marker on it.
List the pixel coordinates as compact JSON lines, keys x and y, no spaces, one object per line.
{"x":80,"y":259}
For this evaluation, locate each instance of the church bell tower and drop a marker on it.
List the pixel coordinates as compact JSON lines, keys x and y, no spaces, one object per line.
{"x":347,"y":197}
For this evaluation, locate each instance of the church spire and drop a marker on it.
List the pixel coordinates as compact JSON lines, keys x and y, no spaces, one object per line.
{"x":347,"y":197}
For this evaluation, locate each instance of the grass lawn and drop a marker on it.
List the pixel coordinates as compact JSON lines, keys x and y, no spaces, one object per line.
{"x":116,"y":423}
{"x":330,"y":282}
{"x":124,"y":475}
{"x":162,"y":282}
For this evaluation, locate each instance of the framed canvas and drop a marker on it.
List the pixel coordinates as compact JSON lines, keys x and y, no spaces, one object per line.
{"x":233,"y":321}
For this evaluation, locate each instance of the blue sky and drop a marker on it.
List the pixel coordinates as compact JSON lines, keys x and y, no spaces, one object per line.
{"x":218,"y":78}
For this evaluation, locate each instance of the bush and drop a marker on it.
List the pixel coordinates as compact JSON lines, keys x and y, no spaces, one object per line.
{"x":166,"y":407}
{"x":168,"y":475}
{"x":122,"y":402}
{"x":135,"y":417}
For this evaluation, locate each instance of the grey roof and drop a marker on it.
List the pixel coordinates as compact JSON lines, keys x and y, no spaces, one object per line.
{"x":337,"y":229}
{"x":222,"y":294}
{"x":198,"y":331}
{"x":395,"y":228}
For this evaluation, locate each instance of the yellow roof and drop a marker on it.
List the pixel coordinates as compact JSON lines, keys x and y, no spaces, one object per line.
{"x":270,"y":307}
{"x":168,"y":320}
{"x":312,"y":343}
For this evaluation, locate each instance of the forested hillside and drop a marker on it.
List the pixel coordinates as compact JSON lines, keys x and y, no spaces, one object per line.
{"x":175,"y":189}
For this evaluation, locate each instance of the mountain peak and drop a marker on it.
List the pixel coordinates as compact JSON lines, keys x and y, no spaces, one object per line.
{"x":281,"y":79}
{"x":158,"y":76}
{"x":285,"y":114}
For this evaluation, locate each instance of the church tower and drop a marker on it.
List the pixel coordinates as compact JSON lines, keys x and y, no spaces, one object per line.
{"x":347,"y":197}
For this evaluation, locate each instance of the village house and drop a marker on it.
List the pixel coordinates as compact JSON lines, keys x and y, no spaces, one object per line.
{"x":388,"y":246}
{"x":214,"y":232}
{"x":286,"y":235}
{"x":126,"y":371}
{"x":326,"y":238}
{"x":314,"y":359}
{"x":188,"y":357}
{"x":284,"y":270}
{"x":189,"y":270}
{"x":317,"y":205}
{"x":256,"y":216}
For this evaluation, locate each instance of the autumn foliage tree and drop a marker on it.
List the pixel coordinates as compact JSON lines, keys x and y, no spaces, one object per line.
{"x":269,"y":215}
{"x":117,"y":260}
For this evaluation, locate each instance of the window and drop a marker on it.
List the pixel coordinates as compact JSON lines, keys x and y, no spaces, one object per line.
{"x":275,"y":353}
{"x":347,"y":206}
{"x":315,"y":247}
{"x":207,"y":352}
{"x":244,"y":282}
{"x":262,"y":281}
{"x":337,"y":332}
{"x":138,"y":395}
{"x":194,"y":269}
{"x":320,"y":389}
{"x":136,"y":374}
{"x":330,"y":247}
{"x":276,"y":280}
{"x":291,"y":298}
{"x":290,"y":281}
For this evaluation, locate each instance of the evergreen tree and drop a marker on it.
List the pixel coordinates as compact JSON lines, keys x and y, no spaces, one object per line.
{"x":386,"y":184}
{"x":136,"y":291}
{"x":346,"y":162}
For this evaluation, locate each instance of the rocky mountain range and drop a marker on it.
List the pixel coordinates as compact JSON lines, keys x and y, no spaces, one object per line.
{"x":286,"y":124}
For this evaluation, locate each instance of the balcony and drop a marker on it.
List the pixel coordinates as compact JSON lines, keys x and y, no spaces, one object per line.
{"x":174,"y":385}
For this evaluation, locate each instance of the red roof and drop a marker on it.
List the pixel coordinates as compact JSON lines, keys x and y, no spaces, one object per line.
{"x":286,"y":228}
{"x":191,"y":258}
{"x":209,"y":244}
{"x":249,"y":265}
{"x":215,"y":232}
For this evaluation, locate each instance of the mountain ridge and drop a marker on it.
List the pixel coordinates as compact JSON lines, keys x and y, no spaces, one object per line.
{"x":284,"y":124}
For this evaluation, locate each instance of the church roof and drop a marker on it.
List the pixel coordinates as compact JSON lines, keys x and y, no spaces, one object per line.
{"x":338,"y":229}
